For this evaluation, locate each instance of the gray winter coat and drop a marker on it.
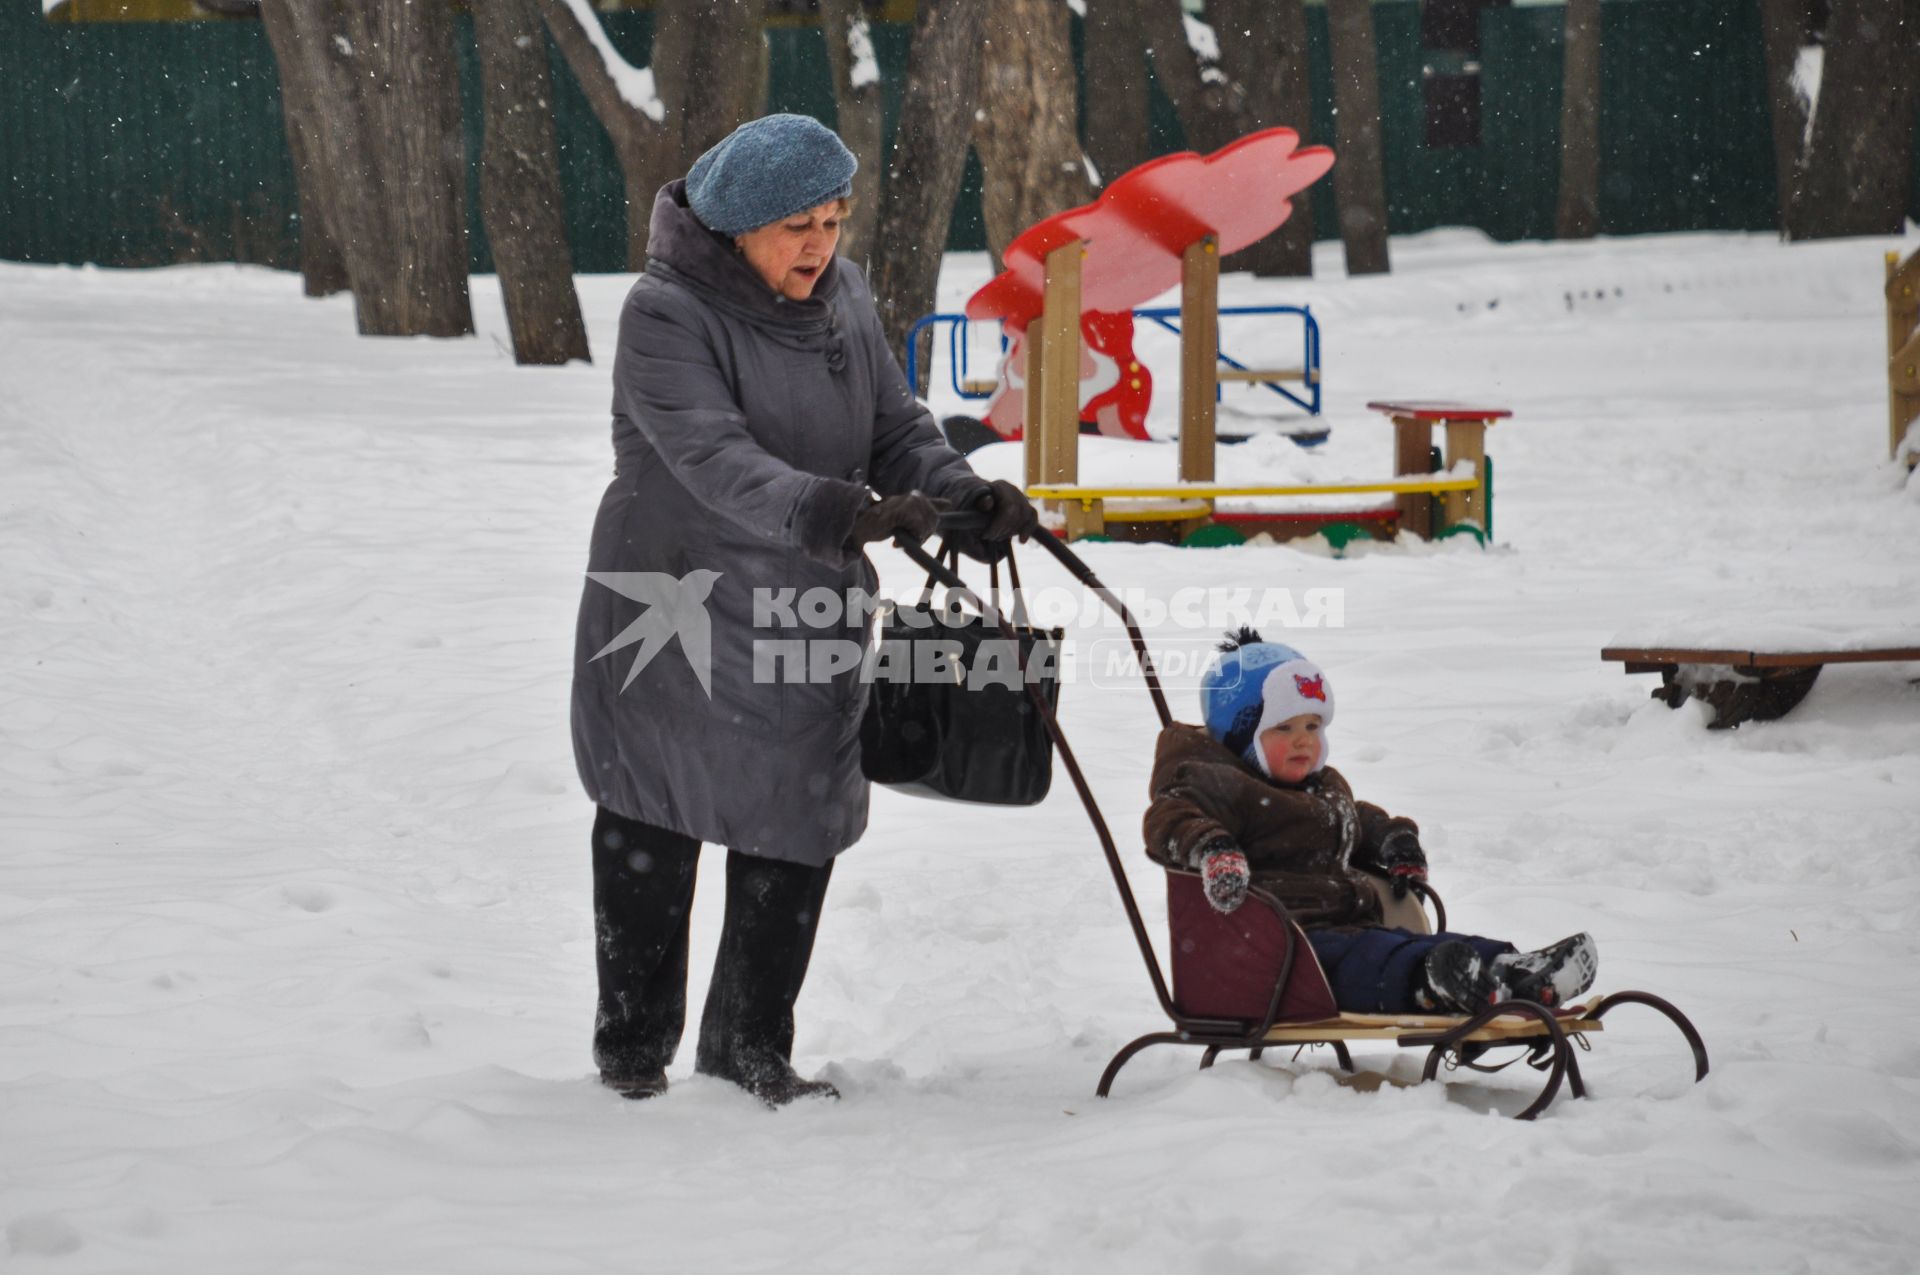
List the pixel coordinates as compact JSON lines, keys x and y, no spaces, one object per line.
{"x":747,"y":430}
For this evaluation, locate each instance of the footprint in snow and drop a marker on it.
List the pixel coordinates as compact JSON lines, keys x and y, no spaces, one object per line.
{"x":308,"y":898}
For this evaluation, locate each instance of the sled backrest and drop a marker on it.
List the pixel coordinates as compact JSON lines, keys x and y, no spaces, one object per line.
{"x":1226,"y":964}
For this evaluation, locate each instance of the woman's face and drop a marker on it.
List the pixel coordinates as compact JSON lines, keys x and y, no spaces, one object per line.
{"x":1292,"y":749}
{"x":790,"y":255}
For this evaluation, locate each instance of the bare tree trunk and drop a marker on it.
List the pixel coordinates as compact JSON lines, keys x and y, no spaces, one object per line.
{"x":424,"y":115}
{"x":521,"y":201}
{"x":1359,"y":182}
{"x":1196,"y":86}
{"x":1785,"y":29}
{"x":709,"y":75}
{"x":1253,"y":78}
{"x":390,"y":146}
{"x":925,"y":166}
{"x":1858,"y":169}
{"x":710,"y":60}
{"x":323,"y":267}
{"x":1267,"y":69}
{"x":1119,"y":132}
{"x":856,"y":91}
{"x":649,"y":153}
{"x":1027,"y":130}
{"x":1578,"y":216}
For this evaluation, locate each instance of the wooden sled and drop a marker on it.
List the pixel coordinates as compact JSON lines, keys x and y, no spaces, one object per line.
{"x":1249,"y":980}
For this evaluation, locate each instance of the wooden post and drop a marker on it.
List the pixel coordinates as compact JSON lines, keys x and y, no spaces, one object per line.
{"x":1199,"y":357}
{"x":1413,"y":458}
{"x":1035,"y":355}
{"x":1903,"y":348}
{"x":1053,"y":390}
{"x":1467,"y":440}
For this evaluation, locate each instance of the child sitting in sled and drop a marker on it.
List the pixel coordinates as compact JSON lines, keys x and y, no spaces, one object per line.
{"x":1248,"y":799}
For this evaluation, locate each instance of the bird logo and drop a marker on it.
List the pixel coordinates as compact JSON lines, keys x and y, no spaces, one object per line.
{"x":676,"y":607}
{"x":1314,"y":687}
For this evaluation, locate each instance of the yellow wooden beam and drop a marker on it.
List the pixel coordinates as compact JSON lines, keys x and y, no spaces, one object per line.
{"x":1220,"y":491}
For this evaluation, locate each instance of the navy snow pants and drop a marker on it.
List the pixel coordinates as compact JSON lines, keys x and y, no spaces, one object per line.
{"x":1375,"y":971}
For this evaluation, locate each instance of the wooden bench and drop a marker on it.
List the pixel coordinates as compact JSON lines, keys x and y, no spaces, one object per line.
{"x":1466,"y":440}
{"x":1742,"y":686}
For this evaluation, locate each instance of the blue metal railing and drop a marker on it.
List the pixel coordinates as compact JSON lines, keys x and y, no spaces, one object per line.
{"x":958,"y":326}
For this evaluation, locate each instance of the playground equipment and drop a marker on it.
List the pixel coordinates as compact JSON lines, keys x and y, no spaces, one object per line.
{"x":1164,"y":223}
{"x":1116,"y":387}
{"x":1903,"y":355}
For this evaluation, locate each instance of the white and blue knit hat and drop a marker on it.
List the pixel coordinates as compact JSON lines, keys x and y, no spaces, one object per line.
{"x":1287,"y":691}
{"x":1230,"y":691}
{"x":767,"y":169}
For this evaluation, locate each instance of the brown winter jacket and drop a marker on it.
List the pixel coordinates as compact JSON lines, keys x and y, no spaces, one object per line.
{"x":1303,"y":842}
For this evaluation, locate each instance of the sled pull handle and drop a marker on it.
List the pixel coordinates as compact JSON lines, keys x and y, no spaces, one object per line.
{"x":975,"y":520}
{"x":963,"y":520}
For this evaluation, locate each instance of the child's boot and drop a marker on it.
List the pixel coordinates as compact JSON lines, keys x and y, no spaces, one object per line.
{"x":1453,"y":979}
{"x":1456,"y":980}
{"x":1551,"y":976}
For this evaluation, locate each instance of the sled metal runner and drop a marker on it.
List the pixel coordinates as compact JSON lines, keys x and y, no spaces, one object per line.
{"x":1550,"y":1040}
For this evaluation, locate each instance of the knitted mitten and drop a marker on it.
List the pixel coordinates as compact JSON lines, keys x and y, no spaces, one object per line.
{"x":1223,"y":871}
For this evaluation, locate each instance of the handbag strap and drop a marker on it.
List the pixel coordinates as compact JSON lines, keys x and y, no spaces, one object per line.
{"x":948,"y":557}
{"x":1020,"y":618}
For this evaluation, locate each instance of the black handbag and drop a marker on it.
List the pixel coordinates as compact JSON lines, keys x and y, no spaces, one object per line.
{"x":948,"y":712}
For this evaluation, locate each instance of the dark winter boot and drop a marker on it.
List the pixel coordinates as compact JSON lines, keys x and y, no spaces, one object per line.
{"x":642,"y":900}
{"x":1453,"y":979}
{"x":775,"y":1082}
{"x":650,"y":1085}
{"x":1551,"y":976}
{"x":766,"y":941}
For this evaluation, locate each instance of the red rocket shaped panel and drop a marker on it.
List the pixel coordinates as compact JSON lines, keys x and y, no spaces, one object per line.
{"x":1135,"y":232}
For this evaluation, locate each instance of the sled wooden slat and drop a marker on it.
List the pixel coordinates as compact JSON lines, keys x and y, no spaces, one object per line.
{"x":1394,"y":1026}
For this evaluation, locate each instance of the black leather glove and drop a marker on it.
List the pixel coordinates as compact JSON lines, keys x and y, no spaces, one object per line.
{"x":1402,"y":860}
{"x":1009,"y":514}
{"x":911,"y":517}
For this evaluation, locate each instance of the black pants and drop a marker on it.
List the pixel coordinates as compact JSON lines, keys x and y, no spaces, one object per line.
{"x":643,"y":879}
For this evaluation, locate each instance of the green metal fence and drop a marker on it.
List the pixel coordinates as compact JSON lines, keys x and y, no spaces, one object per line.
{"x":136,"y":144}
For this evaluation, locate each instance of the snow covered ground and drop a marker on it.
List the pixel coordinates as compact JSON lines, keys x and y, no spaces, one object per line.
{"x":295,"y":950}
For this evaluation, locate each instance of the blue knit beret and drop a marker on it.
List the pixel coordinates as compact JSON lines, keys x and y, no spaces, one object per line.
{"x":767,"y":169}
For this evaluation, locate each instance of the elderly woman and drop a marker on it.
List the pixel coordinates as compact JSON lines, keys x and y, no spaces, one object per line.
{"x":756,"y":412}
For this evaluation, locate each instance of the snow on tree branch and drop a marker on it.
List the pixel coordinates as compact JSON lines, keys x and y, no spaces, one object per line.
{"x":635,"y":84}
{"x":1206,"y":49}
{"x":866,"y":67}
{"x":1806,"y":84}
